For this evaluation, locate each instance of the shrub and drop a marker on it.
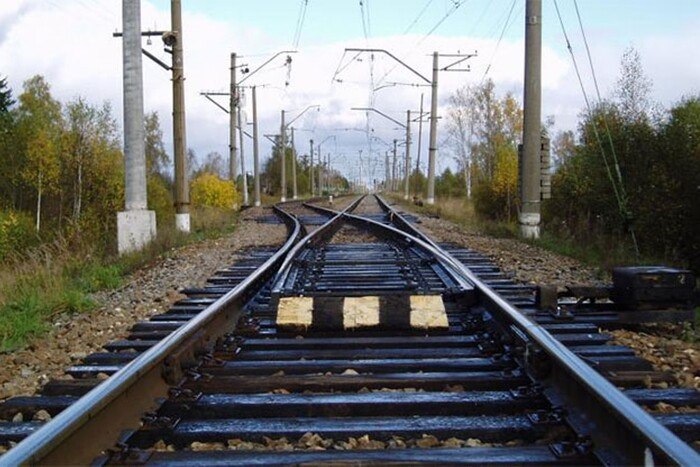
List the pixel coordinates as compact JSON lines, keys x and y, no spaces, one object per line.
{"x":16,"y":233}
{"x":211,"y":191}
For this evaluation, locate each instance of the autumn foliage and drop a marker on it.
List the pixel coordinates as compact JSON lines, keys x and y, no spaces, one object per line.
{"x":208,"y":190}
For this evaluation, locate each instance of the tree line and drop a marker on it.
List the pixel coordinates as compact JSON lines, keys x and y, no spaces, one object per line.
{"x":630,"y":172}
{"x":62,"y":171}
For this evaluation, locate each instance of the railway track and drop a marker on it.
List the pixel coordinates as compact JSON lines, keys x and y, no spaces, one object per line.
{"x":359,"y":341}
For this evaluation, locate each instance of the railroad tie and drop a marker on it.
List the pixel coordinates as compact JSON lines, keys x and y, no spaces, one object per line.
{"x":425,"y":312}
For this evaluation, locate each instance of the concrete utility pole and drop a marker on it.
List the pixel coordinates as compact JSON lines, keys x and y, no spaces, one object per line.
{"x":311,"y":166}
{"x":387,"y":171}
{"x":360,"y":177}
{"x":420,"y":140}
{"x":530,"y":189}
{"x":432,"y":148}
{"x":329,"y":177}
{"x":283,"y":149}
{"x":136,"y":226}
{"x":294,"y":168}
{"x":256,"y":153}
{"x":233,"y":109}
{"x":393,"y":170}
{"x":319,"y":181}
{"x":182,"y":195}
{"x":243,"y":172}
{"x":407,"y":163}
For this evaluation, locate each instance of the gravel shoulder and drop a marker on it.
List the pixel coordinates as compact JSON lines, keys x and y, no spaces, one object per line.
{"x":148,"y":291}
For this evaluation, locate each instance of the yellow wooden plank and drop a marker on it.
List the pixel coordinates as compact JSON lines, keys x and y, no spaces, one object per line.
{"x":428,"y":312}
{"x":295,"y":311}
{"x":359,"y":312}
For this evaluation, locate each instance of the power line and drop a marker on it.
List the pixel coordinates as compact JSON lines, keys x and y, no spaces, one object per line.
{"x":455,"y":6}
{"x":420,"y":15}
{"x":300,"y":23}
{"x":503,"y":31}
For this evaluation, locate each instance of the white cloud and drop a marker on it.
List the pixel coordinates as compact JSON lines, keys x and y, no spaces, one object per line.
{"x":71,"y":44}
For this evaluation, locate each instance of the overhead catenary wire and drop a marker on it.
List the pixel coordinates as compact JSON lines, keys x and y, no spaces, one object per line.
{"x":300,"y":23}
{"x":417,"y":18}
{"x":456,"y":4}
{"x":620,"y":195}
{"x":506,"y":25}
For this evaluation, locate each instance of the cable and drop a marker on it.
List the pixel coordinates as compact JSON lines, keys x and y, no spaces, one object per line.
{"x":455,"y":6}
{"x":503,"y":31}
{"x":300,"y":23}
{"x":420,"y":15}
{"x":625,"y":208}
{"x":620,"y":197}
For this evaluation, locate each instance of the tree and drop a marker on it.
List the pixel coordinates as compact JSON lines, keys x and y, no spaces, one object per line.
{"x":485,"y":130}
{"x":90,"y":133}
{"x":8,"y":172}
{"x":680,"y":148}
{"x":460,"y":129}
{"x":563,"y":147}
{"x":214,"y":164}
{"x":157,"y":160}
{"x":6,"y":101}
{"x":39,"y":126}
{"x":633,"y":89}
{"x":159,"y":181}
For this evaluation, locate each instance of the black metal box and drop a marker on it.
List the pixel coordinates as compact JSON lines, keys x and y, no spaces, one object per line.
{"x":652,"y":286}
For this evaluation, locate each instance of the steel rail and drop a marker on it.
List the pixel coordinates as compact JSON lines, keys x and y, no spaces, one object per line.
{"x":324,"y":229}
{"x":642,"y":435}
{"x":94,"y":422}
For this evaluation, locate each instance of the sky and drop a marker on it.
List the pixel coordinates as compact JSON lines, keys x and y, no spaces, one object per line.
{"x":70,"y":43}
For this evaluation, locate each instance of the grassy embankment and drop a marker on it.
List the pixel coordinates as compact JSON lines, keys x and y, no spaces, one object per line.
{"x":592,"y":250}
{"x":56,"y":279}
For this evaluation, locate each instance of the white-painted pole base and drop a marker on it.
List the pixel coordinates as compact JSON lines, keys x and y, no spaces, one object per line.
{"x":430,"y":200}
{"x":283,"y":199}
{"x":257,"y":204}
{"x":182,"y":222}
{"x":135,"y":230}
{"x":405,"y":197}
{"x":530,"y":225}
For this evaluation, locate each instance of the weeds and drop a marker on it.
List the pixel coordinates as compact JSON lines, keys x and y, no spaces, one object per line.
{"x":40,"y":284}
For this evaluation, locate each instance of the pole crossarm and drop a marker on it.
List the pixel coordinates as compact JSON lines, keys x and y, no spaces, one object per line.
{"x":157,"y":60}
{"x":413,"y":70}
{"x":461,"y":58}
{"x":143,"y":33}
{"x":208,"y":95}
{"x":372,"y":109}
{"x":392,"y":84}
{"x":302,"y":113}
{"x":265,"y":63}
{"x":326,"y":139}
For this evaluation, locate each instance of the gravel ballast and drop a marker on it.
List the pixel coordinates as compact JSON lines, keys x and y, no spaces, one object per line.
{"x":149,"y":291}
{"x":154,"y":288}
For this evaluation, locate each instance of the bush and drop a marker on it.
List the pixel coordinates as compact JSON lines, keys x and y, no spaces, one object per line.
{"x":16,"y":233}
{"x":160,"y":199}
{"x":211,"y":191}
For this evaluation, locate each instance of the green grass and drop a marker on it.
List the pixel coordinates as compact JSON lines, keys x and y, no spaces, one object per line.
{"x":22,"y":319}
{"x":52,"y":281}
